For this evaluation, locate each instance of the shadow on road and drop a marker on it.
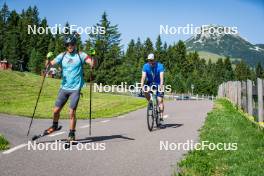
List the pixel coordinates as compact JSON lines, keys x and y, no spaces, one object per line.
{"x":168,"y":125}
{"x":103,"y":138}
{"x":172,"y":125}
{"x":94,"y":139}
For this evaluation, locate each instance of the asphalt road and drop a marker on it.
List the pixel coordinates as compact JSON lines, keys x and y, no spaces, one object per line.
{"x":120,"y":146}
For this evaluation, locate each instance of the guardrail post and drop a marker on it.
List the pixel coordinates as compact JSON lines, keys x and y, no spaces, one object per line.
{"x":249,"y":97}
{"x":239,"y":94}
{"x":244,"y":95}
{"x":260,"y":99}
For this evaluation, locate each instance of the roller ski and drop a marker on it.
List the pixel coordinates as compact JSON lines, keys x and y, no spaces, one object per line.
{"x":48,"y":131}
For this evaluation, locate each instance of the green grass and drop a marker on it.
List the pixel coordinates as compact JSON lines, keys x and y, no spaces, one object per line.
{"x":214,"y":57}
{"x":226,"y":125}
{"x":3,"y":143}
{"x":18,"y":93}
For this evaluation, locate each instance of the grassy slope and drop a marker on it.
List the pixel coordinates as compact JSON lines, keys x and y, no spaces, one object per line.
{"x":224,"y":124}
{"x":3,"y":143}
{"x":214,"y":57}
{"x":18,"y":93}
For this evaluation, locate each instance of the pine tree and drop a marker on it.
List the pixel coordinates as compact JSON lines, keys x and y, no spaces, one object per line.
{"x":108,"y":49}
{"x":242,"y":71}
{"x":35,"y":61}
{"x":228,"y":70}
{"x":140,"y":59}
{"x":43,"y":40}
{"x":259,"y":70}
{"x":28,"y":41}
{"x":159,"y":52}
{"x":59,"y":44}
{"x":11,"y":49}
{"x":129,"y":67}
{"x":180,"y":58}
{"x":4,"y":14}
{"x":148,"y":48}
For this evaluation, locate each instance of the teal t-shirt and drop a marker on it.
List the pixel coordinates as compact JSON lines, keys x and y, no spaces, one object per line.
{"x":72,"y":73}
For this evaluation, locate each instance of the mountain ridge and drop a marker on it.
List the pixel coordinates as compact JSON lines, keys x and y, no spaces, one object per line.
{"x":224,"y":44}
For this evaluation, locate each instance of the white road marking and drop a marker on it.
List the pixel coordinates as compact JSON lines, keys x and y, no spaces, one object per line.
{"x":56,"y":134}
{"x":85,"y":126}
{"x":14,"y":148}
{"x":165,"y":116}
{"x":104,"y":121}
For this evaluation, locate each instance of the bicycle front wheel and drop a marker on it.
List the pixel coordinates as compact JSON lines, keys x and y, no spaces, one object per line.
{"x":157,"y":119}
{"x":150,"y":116}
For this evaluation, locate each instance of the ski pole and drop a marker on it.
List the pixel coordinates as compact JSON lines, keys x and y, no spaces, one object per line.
{"x":32,"y":117}
{"x":92,"y":53}
{"x":90,"y":115}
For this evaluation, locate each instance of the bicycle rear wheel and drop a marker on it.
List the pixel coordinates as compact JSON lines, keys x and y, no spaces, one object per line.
{"x":150,"y":116}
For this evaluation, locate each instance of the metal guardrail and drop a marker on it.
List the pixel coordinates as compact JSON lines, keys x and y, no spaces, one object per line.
{"x":190,"y":97}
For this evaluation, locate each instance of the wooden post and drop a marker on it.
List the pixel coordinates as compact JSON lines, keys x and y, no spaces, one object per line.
{"x":260,"y":100}
{"x":249,"y":97}
{"x":233,"y":92}
{"x":239,"y":94}
{"x":244,"y":96}
{"x":220,"y":91}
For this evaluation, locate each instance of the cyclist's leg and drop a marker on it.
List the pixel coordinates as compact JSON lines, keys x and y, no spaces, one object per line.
{"x":147,"y":96}
{"x":146,"y":93}
{"x":161,"y":103}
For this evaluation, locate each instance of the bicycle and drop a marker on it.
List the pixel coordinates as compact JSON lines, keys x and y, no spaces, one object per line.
{"x":153,"y":111}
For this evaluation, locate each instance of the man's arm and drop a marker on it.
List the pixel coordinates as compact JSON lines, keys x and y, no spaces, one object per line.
{"x":89,"y":60}
{"x":161,"y":80}
{"x":51,"y":63}
{"x":49,"y":60}
{"x":143,"y":77}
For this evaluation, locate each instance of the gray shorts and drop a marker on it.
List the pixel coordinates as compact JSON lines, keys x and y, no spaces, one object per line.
{"x":64,"y":95}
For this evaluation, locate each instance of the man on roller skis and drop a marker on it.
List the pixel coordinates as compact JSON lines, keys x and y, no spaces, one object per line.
{"x":71,"y":63}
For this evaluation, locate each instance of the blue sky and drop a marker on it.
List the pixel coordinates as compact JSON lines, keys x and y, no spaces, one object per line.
{"x":139,"y":18}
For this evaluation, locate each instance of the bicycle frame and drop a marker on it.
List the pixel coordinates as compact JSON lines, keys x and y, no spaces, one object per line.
{"x":155,"y":112}
{"x":154,"y":97}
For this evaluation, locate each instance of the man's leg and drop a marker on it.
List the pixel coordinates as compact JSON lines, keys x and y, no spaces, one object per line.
{"x":75,"y":96}
{"x":56,"y":116}
{"x":161,"y":106}
{"x":72,"y":114}
{"x":60,"y":102}
{"x":147,"y":96}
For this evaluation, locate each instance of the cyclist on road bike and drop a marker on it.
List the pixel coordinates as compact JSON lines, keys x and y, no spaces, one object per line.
{"x":154,"y":72}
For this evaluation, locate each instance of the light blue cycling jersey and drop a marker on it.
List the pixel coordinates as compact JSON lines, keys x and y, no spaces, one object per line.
{"x":72,"y":73}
